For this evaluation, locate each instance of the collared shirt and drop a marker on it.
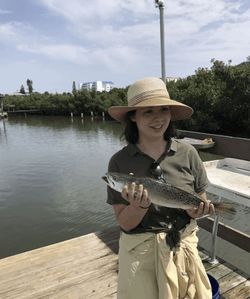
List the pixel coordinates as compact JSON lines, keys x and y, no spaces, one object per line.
{"x":182,"y":167}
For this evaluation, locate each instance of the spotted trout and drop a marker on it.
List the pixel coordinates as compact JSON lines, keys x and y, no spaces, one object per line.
{"x":165,"y":194}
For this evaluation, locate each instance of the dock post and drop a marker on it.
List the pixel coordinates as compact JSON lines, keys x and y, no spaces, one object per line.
{"x":71,"y":114}
{"x":81,"y":115}
{"x":103,"y":115}
{"x":92,"y":115}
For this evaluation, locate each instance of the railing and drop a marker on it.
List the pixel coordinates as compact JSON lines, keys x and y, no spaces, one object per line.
{"x":231,"y":147}
{"x":23,"y":111}
{"x":227,"y":233}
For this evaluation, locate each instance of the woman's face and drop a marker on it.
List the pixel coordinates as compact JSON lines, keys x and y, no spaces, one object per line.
{"x":152,"y":122}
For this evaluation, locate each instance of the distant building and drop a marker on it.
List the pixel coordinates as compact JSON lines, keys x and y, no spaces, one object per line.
{"x":168,"y":79}
{"x":17,"y":93}
{"x":97,"y":85}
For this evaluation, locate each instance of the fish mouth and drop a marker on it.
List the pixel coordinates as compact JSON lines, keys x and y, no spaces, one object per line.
{"x":105,"y":179}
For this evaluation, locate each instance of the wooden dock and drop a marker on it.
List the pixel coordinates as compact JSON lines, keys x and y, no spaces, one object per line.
{"x":86,"y":267}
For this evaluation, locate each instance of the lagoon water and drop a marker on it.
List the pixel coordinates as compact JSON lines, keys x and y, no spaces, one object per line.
{"x":51,"y":188}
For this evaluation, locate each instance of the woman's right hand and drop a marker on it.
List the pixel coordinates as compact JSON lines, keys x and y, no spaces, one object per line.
{"x":136,"y":195}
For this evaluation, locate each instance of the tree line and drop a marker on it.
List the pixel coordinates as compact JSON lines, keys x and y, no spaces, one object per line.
{"x":220,"y":97}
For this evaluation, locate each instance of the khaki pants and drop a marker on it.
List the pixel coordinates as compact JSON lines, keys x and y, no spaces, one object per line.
{"x":149,"y":270}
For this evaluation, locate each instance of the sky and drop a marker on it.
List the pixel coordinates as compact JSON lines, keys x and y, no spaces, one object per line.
{"x":56,"y":42}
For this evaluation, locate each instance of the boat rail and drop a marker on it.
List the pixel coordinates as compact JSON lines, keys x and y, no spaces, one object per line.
{"x":226,"y":233}
{"x":230,"y":147}
{"x":227,"y":146}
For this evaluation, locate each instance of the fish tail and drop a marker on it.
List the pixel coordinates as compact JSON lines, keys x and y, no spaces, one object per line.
{"x":225,"y":209}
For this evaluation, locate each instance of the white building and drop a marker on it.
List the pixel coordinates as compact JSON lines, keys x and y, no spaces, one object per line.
{"x":168,"y":79}
{"x":97,"y":85}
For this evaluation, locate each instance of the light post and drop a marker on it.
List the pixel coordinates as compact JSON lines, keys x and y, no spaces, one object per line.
{"x":160,"y":4}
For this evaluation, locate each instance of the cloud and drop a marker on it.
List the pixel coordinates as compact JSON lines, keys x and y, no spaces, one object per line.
{"x":122,"y":38}
{"x":136,"y":24}
{"x":58,"y":52}
{"x":78,"y":11}
{"x":7,"y":31}
{"x":5,"y":12}
{"x":104,"y":46}
{"x":110,"y":58}
{"x":14,"y":32}
{"x":197,"y":31}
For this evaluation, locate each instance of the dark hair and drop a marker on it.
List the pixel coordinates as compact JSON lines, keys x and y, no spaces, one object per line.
{"x":131,"y":131}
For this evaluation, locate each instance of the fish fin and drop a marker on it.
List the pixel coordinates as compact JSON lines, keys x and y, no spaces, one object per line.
{"x":225,"y":209}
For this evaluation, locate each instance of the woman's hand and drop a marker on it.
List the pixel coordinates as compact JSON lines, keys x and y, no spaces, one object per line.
{"x":136,"y":195}
{"x":130,"y":216}
{"x":203,"y":209}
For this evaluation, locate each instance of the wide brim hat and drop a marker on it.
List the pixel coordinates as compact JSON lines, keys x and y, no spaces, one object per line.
{"x":150,"y":92}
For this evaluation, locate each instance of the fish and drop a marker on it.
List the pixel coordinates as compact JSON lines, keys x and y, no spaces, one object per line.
{"x":167,"y":195}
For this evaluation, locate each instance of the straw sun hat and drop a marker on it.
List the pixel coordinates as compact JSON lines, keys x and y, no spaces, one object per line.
{"x":150,"y":92}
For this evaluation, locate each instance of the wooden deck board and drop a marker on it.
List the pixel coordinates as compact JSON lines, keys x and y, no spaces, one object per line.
{"x":241,"y":291}
{"x":230,"y":281}
{"x":219,"y":271}
{"x":86,"y":267}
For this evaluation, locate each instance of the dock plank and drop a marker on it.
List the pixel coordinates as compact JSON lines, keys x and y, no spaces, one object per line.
{"x":230,"y":281}
{"x":219,"y":271}
{"x":86,"y":267}
{"x":242,"y":291}
{"x":71,"y":263}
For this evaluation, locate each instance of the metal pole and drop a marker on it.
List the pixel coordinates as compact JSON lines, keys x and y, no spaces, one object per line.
{"x":160,"y":4}
{"x":163,"y":74}
{"x":212,"y":260}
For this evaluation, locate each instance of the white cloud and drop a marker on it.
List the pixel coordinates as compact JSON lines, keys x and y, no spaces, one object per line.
{"x":197,"y":31}
{"x":7,"y":31}
{"x":122,"y":38}
{"x":58,"y":52}
{"x":5,"y":12}
{"x":78,"y":11}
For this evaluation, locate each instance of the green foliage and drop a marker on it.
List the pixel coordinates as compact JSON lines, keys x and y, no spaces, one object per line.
{"x":22,"y":89}
{"x":74,"y":87}
{"x":220,"y":97}
{"x":30,"y":85}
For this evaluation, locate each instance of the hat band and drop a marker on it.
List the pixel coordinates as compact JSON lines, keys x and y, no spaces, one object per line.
{"x":146,"y":95}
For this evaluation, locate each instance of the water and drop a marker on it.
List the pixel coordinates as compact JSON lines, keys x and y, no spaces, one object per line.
{"x":50,"y":181}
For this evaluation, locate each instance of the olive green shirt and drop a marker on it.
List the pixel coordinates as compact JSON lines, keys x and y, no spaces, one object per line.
{"x":182,"y":167}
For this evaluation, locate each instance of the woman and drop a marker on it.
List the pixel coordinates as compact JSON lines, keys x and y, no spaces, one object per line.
{"x":158,"y":257}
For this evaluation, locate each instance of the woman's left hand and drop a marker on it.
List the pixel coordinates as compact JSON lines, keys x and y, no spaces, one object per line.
{"x":205,"y":207}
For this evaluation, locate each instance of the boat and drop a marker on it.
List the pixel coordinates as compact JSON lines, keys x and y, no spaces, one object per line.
{"x":198,"y":143}
{"x":229,"y":178}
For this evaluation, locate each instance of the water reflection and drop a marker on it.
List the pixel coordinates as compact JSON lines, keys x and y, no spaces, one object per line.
{"x":60,"y":123}
{"x":3,"y":131}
